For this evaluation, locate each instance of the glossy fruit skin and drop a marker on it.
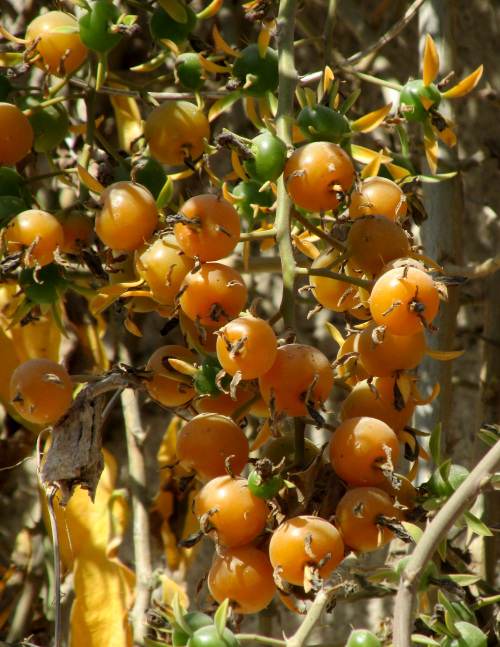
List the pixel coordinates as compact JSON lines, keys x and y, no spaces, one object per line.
{"x":162,"y":25}
{"x":128,"y":216}
{"x":240,"y":516}
{"x":195,"y":620}
{"x":269,"y":158}
{"x":356,"y":513}
{"x":189,"y":71}
{"x":438,"y":486}
{"x":226,"y":406}
{"x":192,"y":337}
{"x":417,"y":295}
{"x":45,"y":389}
{"x":53,"y":46}
{"x":393,"y":353}
{"x":322,"y":166}
{"x":244,"y":575}
{"x":163,"y":266}
{"x":266,"y":489}
{"x":322,"y":124}
{"x":362,"y":638}
{"x":214,"y":285}
{"x":16,"y":136}
{"x":375,"y":240}
{"x":292,"y":374}
{"x":95,"y":27}
{"x":249,"y":195}
{"x":264,"y":69}
{"x":288,"y":547}
{"x":45,"y":287}
{"x":258,"y":352}
{"x":332,"y":293}
{"x":358,"y":445}
{"x":165,"y":390}
{"x":215,"y":231}
{"x":78,"y":229}
{"x":410,"y":99}
{"x":208,"y":637}
{"x":205,"y":442}
{"x":378,"y":195}
{"x":363,"y":401}
{"x":23,"y":231}
{"x":175,"y":130}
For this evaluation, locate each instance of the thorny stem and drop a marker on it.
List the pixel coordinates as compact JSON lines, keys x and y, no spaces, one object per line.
{"x":328,"y":32}
{"x":287,"y":83}
{"x":322,"y":600}
{"x":353,"y":280}
{"x":135,"y":436}
{"x":477,"y":481}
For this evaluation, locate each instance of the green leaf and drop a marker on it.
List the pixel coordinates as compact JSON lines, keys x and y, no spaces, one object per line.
{"x":476,"y":525}
{"x":385,"y":574}
{"x":301,"y":97}
{"x":179,"y":615}
{"x":442,"y":599}
{"x":403,"y":139}
{"x":65,"y":29}
{"x":83,"y":4}
{"x":129,"y":20}
{"x":223,"y":104}
{"x":349,"y":102}
{"x":464,"y":579}
{"x":439,"y":177}
{"x":442,"y":549}
{"x":435,"y":444}
{"x":424,"y":640}
{"x":414,"y":531}
{"x":488,"y":437}
{"x":220,"y":618}
{"x":444,"y":470}
{"x":165,"y":194}
{"x":272,"y":102}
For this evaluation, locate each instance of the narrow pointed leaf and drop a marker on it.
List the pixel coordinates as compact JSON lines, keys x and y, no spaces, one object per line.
{"x":222,"y":104}
{"x":165,"y":194}
{"x":403,"y":139}
{"x":263,"y":42}
{"x":414,"y":531}
{"x":238,"y":168}
{"x":175,"y":10}
{"x":464,"y":579}
{"x":210,"y":10}
{"x":311,"y":96}
{"x":350,"y":101}
{"x":335,"y":333}
{"x":153,"y":63}
{"x":397,"y":172}
{"x":220,"y":618}
{"x":431,"y":148}
{"x":212,"y":67}
{"x":306,"y":247}
{"x":443,"y":354}
{"x":90,"y":182}
{"x":442,"y":549}
{"x":328,"y":78}
{"x":476,"y":525}
{"x":373,"y":167}
{"x":222,"y":45}
{"x":465,"y":86}
{"x":431,"y":62}
{"x":370,"y":121}
{"x":446,"y":135}
{"x":420,"y":639}
{"x":366,"y":155}
{"x":252,"y":113}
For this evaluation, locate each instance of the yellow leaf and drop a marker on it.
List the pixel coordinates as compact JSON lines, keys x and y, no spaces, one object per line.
{"x":335,"y":333}
{"x":431,"y":62}
{"x":306,"y":247}
{"x":238,"y":168}
{"x":262,"y":437}
{"x":263,"y":42}
{"x":465,"y":86}
{"x":370,"y":121}
{"x":222,"y":45}
{"x":328,"y":78}
{"x":152,"y":64}
{"x":81,"y":129}
{"x":426,"y":102}
{"x":227,"y":195}
{"x":215,"y":68}
{"x":90,"y":182}
{"x":423,"y":454}
{"x":128,"y":118}
{"x":132,"y":327}
{"x":117,"y":289}
{"x":431,"y":149}
{"x":373,"y":167}
{"x":446,"y":135}
{"x":397,"y":172}
{"x":211,"y":10}
{"x":311,"y":96}
{"x":222,"y":104}
{"x":252,"y":113}
{"x":10,"y":59}
{"x":443,"y":355}
{"x":169,"y":588}
{"x":366,"y":155}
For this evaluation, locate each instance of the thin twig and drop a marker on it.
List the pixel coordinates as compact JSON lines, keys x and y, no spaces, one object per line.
{"x":477,"y":481}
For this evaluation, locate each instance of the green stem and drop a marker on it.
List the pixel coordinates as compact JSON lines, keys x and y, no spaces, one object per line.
{"x":328,"y":32}
{"x":257,"y":235}
{"x":373,"y":79}
{"x":287,"y":84}
{"x":321,"y":271}
{"x":245,"y":407}
{"x":336,"y":244}
{"x":251,"y":638}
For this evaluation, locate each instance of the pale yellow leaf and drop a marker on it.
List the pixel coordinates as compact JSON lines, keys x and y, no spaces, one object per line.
{"x":128,"y":119}
{"x":371,"y":121}
{"x":222,"y":45}
{"x":210,"y":10}
{"x":262,"y":437}
{"x":263,"y":42}
{"x":443,"y":355}
{"x":169,"y":588}
{"x":328,"y":78}
{"x":306,"y":247}
{"x":238,"y":168}
{"x":175,"y":10}
{"x":213,"y":67}
{"x":397,"y":172}
{"x":252,"y":113}
{"x":373,"y":167}
{"x":90,"y":182}
{"x":81,"y":129}
{"x":366,"y":155}
{"x":431,"y":62}
{"x":335,"y":333}
{"x":465,"y":86}
{"x":431,"y":149}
